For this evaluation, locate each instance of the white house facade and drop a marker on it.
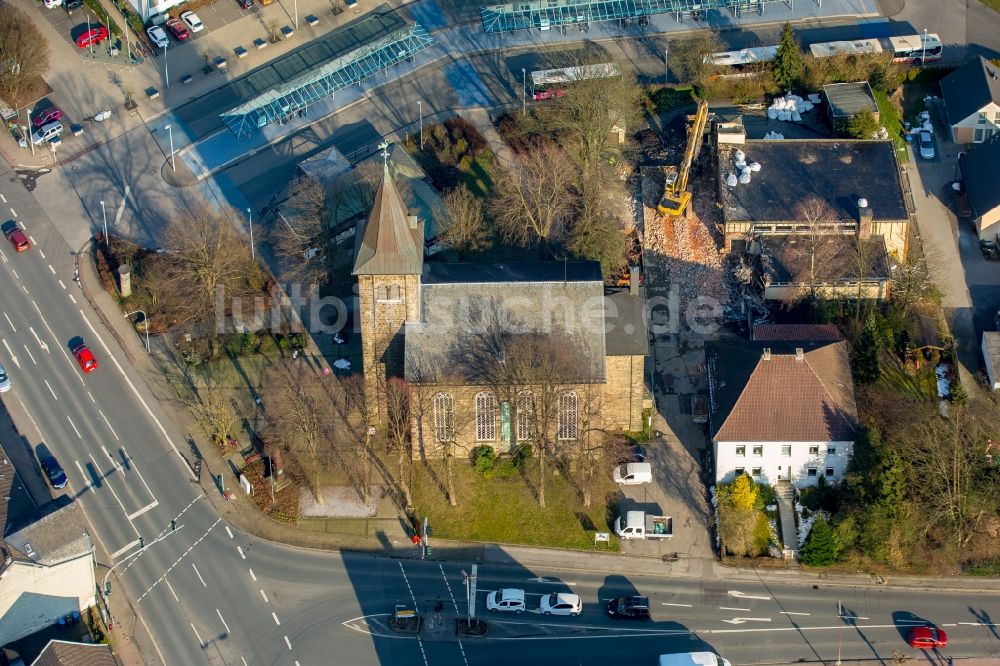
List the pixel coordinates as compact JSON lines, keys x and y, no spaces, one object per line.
{"x":972,"y":101}
{"x":800,"y":463}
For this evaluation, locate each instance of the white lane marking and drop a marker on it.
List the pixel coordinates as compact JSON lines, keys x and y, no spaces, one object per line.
{"x":223,"y":621}
{"x":39,"y":252}
{"x":114,"y":462}
{"x":86,"y":478}
{"x":41,"y":343}
{"x":171,"y":588}
{"x":121,"y":206}
{"x":264,"y":596}
{"x":253,"y":576}
{"x":288,"y":643}
{"x":72,"y":299}
{"x":11,"y":354}
{"x":124,"y":549}
{"x":420,"y":641}
{"x":741,"y":620}
{"x":276,"y":620}
{"x":106,"y":482}
{"x":13,"y":212}
{"x":240,"y":551}
{"x":109,"y":426}
{"x":740,"y":595}
{"x":664,"y":603}
{"x":62,"y":284}
{"x":148,"y":507}
{"x":54,"y":396}
{"x":733,"y":609}
{"x":135,"y":391}
{"x":204,"y":584}
{"x":136,"y":468}
{"x":3,"y":256}
{"x":243,"y":659}
{"x":30,"y":355}
{"x":14,"y":330}
{"x":52,"y":270}
{"x":3,"y":198}
{"x":176,"y":562}
{"x":74,"y":427}
{"x":32,"y":239}
{"x":791,"y":613}
{"x":201,"y":643}
{"x":229,"y":532}
{"x":89,"y":395}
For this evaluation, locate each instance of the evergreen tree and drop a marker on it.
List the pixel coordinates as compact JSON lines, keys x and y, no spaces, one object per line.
{"x":863,"y":125}
{"x":819,"y":550}
{"x":864,"y":355}
{"x":788,"y":65}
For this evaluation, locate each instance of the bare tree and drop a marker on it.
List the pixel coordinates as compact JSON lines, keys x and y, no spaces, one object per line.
{"x":24,"y":55}
{"x":867,"y":255}
{"x":815,"y":240}
{"x":302,"y":236}
{"x":214,"y":409}
{"x":207,"y":260}
{"x":596,"y":231}
{"x":532,"y":201}
{"x":363,"y":185}
{"x":398,"y":419}
{"x":464,"y":224}
{"x":687,"y":56}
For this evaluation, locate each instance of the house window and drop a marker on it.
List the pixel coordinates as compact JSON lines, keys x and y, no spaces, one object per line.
{"x":812,"y":471}
{"x":486,"y":417}
{"x":829,"y":471}
{"x":786,"y":450}
{"x":758,"y":450}
{"x":567,"y":416}
{"x":444,"y":417}
{"x":982,"y":119}
{"x":741,"y":451}
{"x":740,"y":471}
{"x":996,"y":117}
{"x":756,"y":471}
{"x":979,"y":134}
{"x":525,"y":412}
{"x":831,"y":450}
{"x":814,"y":450}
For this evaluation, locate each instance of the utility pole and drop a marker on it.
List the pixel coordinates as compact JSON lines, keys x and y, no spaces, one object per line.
{"x":170,"y":133}
{"x":104,"y":214}
{"x":27,"y":130}
{"x":666,"y":66}
{"x":524,"y":90}
{"x":923,"y":49}
{"x":420,"y":109}
{"x":840,"y":629}
{"x":253,"y":254}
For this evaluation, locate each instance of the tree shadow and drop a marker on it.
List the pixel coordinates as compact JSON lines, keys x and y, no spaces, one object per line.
{"x":983,"y":616}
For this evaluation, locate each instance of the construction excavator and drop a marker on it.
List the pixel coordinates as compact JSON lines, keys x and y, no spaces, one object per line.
{"x":675,"y":194}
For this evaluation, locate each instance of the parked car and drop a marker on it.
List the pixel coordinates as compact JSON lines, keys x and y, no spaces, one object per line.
{"x":508,"y":599}
{"x":85,"y":358}
{"x":633,"y":474}
{"x":192,"y":21}
{"x":46,"y":133}
{"x":178,"y":29}
{"x":927,"y":638}
{"x":16,"y":236}
{"x":926,"y":145}
{"x":73,"y":4}
{"x":245,"y":4}
{"x":157,"y":35}
{"x":46,"y":116}
{"x":634,"y":608}
{"x":94,"y":36}
{"x":561,"y":603}
{"x":4,"y":380}
{"x":54,"y":472}
{"x":51,"y":4}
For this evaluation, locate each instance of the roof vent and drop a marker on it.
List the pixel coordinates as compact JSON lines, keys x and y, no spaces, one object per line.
{"x":862,"y":203}
{"x":767,"y":353}
{"x":28,"y":550}
{"x":799,"y":354}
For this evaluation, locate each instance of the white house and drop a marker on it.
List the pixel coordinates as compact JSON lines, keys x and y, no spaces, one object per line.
{"x":972,"y":101}
{"x":782,"y":409}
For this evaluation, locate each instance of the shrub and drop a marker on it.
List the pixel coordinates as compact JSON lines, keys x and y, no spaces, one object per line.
{"x":283,"y":343}
{"x":267,"y":345}
{"x":505,"y":468}
{"x":767,"y":495}
{"x":297,"y":340}
{"x":819,"y":550}
{"x":522,"y":455}
{"x":483,"y":458}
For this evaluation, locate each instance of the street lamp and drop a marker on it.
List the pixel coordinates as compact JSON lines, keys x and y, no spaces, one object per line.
{"x":296,"y":14}
{"x":27,"y":130}
{"x":104,"y":214}
{"x":166,"y":65}
{"x":253,"y":254}
{"x":666,"y":67}
{"x":420,"y":108}
{"x":145,"y":324}
{"x":170,"y":133}
{"x":923,"y":50}
{"x":524,"y":90}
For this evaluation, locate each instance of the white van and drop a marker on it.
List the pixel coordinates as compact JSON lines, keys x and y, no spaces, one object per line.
{"x":693,"y":659}
{"x":633,"y":474}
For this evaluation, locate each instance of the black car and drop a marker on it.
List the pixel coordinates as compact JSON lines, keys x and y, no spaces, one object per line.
{"x":70,"y":5}
{"x":245,"y":4}
{"x":633,"y":608}
{"x":54,"y":472}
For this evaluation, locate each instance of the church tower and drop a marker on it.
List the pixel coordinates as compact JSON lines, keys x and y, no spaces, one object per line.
{"x":388,"y":261}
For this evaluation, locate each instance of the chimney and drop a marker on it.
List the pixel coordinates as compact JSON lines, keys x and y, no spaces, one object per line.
{"x":767,"y":353}
{"x":633,"y":280}
{"x":864,"y":219}
{"x":800,"y":354}
{"x":411,"y":219}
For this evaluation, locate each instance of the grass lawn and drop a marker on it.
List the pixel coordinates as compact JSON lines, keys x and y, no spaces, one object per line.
{"x":889,"y":117}
{"x":992,"y":4}
{"x":505,"y":511}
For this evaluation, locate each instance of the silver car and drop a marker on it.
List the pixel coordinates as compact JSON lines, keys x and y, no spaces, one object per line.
{"x":926,"y":145}
{"x":46,"y":133}
{"x":4,"y":380}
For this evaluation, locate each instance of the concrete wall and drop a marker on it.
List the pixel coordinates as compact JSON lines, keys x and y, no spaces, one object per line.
{"x":624,"y":393}
{"x":988,"y":224}
{"x":895,"y":233}
{"x":775,"y":466}
{"x":791,"y":292}
{"x":33,"y":597}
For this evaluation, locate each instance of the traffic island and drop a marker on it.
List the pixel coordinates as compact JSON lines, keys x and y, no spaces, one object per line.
{"x":405,"y":621}
{"x":471,"y":628}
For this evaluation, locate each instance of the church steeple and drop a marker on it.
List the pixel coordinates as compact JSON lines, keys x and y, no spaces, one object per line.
{"x":392,"y":241}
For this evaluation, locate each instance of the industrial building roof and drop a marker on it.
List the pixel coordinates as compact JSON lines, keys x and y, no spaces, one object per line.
{"x":847,"y":99}
{"x":838,"y":171}
{"x":830,"y":259}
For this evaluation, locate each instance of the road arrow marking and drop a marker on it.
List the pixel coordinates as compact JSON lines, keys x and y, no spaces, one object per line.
{"x":41,"y":343}
{"x":11,"y":354}
{"x":740,"y":595}
{"x":741,"y":620}
{"x":10,"y":322}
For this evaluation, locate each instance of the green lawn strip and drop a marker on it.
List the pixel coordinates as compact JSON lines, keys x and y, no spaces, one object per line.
{"x":505,"y":511}
{"x":889,"y":117}
{"x":992,"y":4}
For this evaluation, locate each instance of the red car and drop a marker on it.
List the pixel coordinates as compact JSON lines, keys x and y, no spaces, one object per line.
{"x":92,"y":37}
{"x":85,"y":358}
{"x":927,"y":638}
{"x":17,"y":238}
{"x":178,"y":29}
{"x":46,"y":116}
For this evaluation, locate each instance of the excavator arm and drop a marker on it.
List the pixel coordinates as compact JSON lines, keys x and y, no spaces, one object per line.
{"x":675,"y":195}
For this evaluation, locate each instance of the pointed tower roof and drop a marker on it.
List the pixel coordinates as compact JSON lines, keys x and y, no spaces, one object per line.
{"x":391,"y":241}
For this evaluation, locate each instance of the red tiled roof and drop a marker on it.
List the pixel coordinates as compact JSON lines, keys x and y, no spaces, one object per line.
{"x":794,"y":332}
{"x":65,"y":653}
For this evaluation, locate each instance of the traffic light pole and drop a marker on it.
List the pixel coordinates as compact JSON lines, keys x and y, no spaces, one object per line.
{"x":106,"y":586}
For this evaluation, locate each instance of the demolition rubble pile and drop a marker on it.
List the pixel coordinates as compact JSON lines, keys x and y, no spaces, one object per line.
{"x":789,"y":108}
